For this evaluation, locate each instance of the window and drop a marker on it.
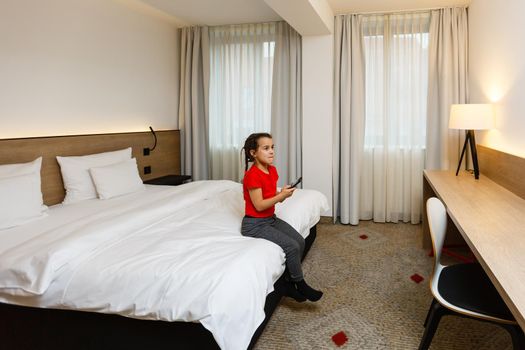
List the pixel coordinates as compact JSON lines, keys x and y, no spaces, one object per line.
{"x":241,"y":68}
{"x":396,"y":58}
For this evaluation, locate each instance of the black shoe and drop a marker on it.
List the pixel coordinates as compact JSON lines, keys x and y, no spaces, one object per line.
{"x":291,"y":292}
{"x":310,"y":293}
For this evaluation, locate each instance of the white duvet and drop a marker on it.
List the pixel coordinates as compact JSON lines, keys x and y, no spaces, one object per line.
{"x":166,"y":253}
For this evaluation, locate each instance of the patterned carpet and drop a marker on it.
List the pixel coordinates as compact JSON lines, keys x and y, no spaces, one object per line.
{"x":370,"y":296}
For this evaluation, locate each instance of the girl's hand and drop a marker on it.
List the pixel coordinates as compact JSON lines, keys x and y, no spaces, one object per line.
{"x":286,"y":192}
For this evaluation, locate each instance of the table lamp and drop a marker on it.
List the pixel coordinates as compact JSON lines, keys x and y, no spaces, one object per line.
{"x":470,"y":117}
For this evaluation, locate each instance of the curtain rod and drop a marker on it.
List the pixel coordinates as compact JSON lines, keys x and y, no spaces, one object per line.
{"x":241,"y":24}
{"x":399,"y":11}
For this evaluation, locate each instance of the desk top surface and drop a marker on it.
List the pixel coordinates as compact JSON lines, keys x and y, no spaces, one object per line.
{"x":492,"y":221}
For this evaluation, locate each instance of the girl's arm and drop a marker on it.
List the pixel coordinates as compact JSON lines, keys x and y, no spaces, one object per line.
{"x":261,"y":204}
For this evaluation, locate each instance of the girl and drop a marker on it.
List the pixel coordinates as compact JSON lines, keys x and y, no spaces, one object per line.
{"x":260,"y":196}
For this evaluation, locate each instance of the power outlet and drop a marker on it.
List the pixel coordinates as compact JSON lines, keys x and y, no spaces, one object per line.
{"x":147,"y":170}
{"x":145,"y":151}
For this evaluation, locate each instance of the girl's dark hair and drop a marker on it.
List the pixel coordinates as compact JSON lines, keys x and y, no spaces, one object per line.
{"x":251,"y":143}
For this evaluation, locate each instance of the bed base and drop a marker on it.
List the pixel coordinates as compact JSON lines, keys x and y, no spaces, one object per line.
{"x":36,"y":328}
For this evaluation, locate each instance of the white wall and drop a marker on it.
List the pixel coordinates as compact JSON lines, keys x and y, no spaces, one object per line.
{"x":317,"y":113}
{"x":497,"y":70}
{"x":85,"y":66}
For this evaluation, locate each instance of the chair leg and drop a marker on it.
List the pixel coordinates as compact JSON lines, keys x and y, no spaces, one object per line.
{"x":429,"y":311}
{"x":517,"y":336}
{"x":436,"y":312}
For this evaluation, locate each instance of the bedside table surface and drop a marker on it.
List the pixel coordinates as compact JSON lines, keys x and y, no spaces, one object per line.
{"x":169,"y":180}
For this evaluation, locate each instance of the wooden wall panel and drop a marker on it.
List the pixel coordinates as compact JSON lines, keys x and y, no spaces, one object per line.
{"x":505,"y":169}
{"x":164,"y":160}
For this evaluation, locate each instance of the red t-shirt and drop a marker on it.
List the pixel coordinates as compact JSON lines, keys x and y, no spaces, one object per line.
{"x":256,"y":178}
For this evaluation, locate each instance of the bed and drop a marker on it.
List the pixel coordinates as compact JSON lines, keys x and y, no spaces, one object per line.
{"x":164,"y":258}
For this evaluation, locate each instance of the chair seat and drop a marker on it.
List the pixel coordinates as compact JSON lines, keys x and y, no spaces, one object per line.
{"x":467,"y":286}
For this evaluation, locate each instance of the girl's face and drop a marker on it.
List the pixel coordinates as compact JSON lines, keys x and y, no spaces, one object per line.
{"x":264,"y":153}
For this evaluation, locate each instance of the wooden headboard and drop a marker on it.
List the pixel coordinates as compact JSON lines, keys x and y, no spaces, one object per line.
{"x":164,"y":160}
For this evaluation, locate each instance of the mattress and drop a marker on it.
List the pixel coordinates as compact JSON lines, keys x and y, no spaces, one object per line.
{"x":165,"y":253}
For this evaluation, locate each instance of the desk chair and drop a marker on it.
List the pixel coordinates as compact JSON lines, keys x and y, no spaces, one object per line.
{"x":463,"y":290}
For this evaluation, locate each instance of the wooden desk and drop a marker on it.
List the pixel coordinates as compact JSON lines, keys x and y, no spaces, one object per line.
{"x":491,"y":219}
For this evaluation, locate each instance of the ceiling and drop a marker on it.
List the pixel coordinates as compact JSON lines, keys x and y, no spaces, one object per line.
{"x":218,"y":12}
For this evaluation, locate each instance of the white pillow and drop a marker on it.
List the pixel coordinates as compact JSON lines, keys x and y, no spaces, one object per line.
{"x":20,"y":200}
{"x":13,"y":170}
{"x":75,"y":173}
{"x":10,"y":170}
{"x":117,"y":179}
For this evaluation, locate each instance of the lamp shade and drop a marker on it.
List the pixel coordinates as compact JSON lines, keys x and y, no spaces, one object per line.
{"x":471,"y":116}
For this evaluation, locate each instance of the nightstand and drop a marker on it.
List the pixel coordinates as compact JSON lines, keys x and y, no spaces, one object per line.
{"x":169,"y":180}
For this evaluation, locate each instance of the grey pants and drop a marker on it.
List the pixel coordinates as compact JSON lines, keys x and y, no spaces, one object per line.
{"x":279,"y":232}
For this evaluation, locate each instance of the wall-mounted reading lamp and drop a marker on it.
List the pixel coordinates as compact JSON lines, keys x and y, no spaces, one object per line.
{"x":148,"y":150}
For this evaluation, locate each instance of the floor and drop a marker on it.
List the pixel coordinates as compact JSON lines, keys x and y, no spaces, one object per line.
{"x":370,"y":300}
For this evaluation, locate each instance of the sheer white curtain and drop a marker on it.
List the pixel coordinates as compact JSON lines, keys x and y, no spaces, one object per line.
{"x":379,"y":116}
{"x":396,"y":56}
{"x":241,"y":65}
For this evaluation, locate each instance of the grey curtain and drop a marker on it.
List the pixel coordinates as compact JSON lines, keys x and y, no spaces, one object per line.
{"x":349,"y":117}
{"x":448,"y":77}
{"x":286,"y":103}
{"x":193,"y":101}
